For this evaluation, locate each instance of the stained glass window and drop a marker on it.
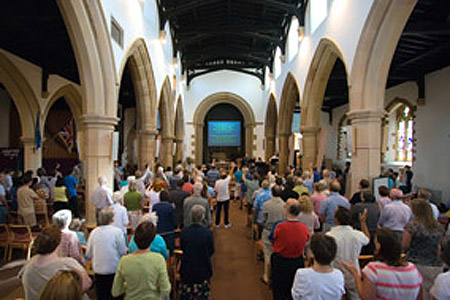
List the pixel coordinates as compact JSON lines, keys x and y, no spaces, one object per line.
{"x":405,"y":130}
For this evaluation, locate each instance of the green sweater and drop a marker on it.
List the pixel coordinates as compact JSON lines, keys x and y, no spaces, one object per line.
{"x":132,"y":201}
{"x":141,"y":277}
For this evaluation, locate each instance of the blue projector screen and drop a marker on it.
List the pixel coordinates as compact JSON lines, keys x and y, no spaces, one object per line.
{"x":224,"y":133}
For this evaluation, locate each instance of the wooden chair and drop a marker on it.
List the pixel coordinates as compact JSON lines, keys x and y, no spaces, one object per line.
{"x":20,"y":237}
{"x":174,"y":271}
{"x":4,"y":239}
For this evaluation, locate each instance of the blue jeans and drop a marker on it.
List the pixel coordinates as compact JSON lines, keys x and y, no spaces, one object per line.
{"x":3,"y":215}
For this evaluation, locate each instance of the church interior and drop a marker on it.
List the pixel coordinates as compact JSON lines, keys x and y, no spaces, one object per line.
{"x":130,"y":92}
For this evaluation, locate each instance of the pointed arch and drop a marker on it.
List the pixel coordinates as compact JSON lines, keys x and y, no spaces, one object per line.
{"x":327,"y":52}
{"x":138,"y":59}
{"x":290,"y":95}
{"x":223,"y":97}
{"x":167,"y":121}
{"x":270,"y":127}
{"x":179,"y":130}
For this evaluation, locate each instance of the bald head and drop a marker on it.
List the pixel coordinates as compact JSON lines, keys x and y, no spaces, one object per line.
{"x":335,"y":186}
{"x":292,"y":208}
{"x":396,"y":194}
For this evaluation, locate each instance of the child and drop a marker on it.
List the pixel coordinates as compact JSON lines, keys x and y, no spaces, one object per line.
{"x":321,"y":281}
{"x":76,"y":226}
{"x":441,"y":287}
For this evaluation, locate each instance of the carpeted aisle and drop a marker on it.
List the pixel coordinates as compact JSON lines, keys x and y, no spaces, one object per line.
{"x":236,"y":273}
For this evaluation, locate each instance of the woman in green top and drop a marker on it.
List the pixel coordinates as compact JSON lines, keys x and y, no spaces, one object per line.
{"x":143,"y":274}
{"x":134,"y":202}
{"x":60,"y":195}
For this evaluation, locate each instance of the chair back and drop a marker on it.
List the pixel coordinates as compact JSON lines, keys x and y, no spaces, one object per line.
{"x":19,"y":234}
{"x":3,"y":234}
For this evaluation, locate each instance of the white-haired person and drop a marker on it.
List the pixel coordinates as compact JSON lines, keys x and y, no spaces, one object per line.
{"x":121,"y":219}
{"x":70,"y":245}
{"x":158,"y":244}
{"x":105,"y":247}
{"x":101,"y":196}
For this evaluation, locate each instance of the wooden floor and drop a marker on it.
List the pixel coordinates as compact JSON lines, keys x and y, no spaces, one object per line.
{"x":236,"y":272}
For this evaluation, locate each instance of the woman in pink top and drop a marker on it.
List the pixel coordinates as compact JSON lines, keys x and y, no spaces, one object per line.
{"x":318,"y":196}
{"x":390,"y":276}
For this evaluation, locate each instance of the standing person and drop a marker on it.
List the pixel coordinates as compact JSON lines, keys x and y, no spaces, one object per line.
{"x":72,"y":184}
{"x":289,"y":240}
{"x":307,"y":215}
{"x":61,"y":195}
{"x":362,"y":187}
{"x":121,"y":219}
{"x":408,"y":179}
{"x":272,"y":212}
{"x":101,"y":196}
{"x":421,"y":240}
{"x":65,"y":285}
{"x":396,"y":214}
{"x":105,"y":247}
{"x":25,"y":200}
{"x":238,"y":185}
{"x":198,"y":246}
{"x":196,"y":199}
{"x":252,"y":186}
{"x":166,"y":220}
{"x":441,"y":287}
{"x":389,"y":270}
{"x":349,"y":244}
{"x":222,"y":190}
{"x":426,"y":195}
{"x":262,"y":197}
{"x":384,"y":199}
{"x":373,"y":216}
{"x":46,"y":263}
{"x":143,"y":274}
{"x":153,"y":193}
{"x":318,"y":196}
{"x":134,"y":202}
{"x":70,"y":244}
{"x":331,"y":204}
{"x":321,"y":281}
{"x":117,"y":176}
{"x":177,"y":197}
{"x":212,"y":175}
{"x":299,"y":188}
{"x":288,"y":191}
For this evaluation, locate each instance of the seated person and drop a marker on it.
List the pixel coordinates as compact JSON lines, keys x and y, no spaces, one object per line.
{"x":320,"y":281}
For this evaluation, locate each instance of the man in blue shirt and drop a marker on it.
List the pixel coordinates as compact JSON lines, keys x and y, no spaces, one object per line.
{"x":331,"y":204}
{"x":262,"y":197}
{"x":71,"y":185}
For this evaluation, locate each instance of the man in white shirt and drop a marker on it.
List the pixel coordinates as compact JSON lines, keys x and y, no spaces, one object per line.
{"x":121,"y":220}
{"x":349,"y":244}
{"x":222,"y":190}
{"x":105,"y":247}
{"x":101,"y":196}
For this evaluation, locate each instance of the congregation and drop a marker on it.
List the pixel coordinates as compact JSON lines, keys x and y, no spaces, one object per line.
{"x":317,"y":242}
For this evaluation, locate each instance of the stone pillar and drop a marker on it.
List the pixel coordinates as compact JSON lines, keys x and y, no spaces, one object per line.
{"x":310,"y":147}
{"x":147,"y":148}
{"x":270,"y":147}
{"x":249,"y":139}
{"x":178,"y":150}
{"x":32,"y":156}
{"x":98,"y":160}
{"x":167,"y":156}
{"x":283,"y":140}
{"x":366,"y":133}
{"x":198,"y":143}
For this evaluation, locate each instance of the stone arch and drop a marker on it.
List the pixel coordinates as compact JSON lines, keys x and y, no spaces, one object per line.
{"x":27,"y":106}
{"x":270,"y":127}
{"x":376,"y":47}
{"x":218,"y":98}
{"x":179,"y":130}
{"x":167,"y":121}
{"x":327,"y":52}
{"x":140,"y":66}
{"x":396,"y":102}
{"x":73,"y":98}
{"x":289,"y":95}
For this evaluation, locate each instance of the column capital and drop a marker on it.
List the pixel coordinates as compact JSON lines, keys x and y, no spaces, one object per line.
{"x":357,"y":116}
{"x":308,"y":130}
{"x":284,"y":134}
{"x":178,"y":140}
{"x":148,"y":132}
{"x":27,"y":140}
{"x":99,"y":121}
{"x":169,"y":138}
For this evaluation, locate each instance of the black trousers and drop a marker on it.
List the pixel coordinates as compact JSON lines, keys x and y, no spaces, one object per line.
{"x":57,"y":206}
{"x":225,"y":205}
{"x":283,"y":273}
{"x":103,"y":286}
{"x":73,"y":204}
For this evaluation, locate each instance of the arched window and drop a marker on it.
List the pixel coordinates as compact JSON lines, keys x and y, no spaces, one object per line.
{"x":404,"y":134}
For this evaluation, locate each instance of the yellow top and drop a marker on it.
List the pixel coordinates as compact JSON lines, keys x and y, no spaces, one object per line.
{"x":59,"y":194}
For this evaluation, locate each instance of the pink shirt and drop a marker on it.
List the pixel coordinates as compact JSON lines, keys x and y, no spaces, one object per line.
{"x":70,"y":246}
{"x":317,"y":200}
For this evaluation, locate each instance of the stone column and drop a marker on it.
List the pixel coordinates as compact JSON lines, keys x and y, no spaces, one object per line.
{"x":32,"y":156}
{"x":283,"y":140}
{"x":167,"y":156}
{"x":147,"y":148}
{"x":310,"y":147}
{"x":178,"y":150}
{"x":199,"y":143}
{"x":98,"y":160}
{"x":249,"y":139}
{"x":366,"y":130}
{"x":270,"y":147}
